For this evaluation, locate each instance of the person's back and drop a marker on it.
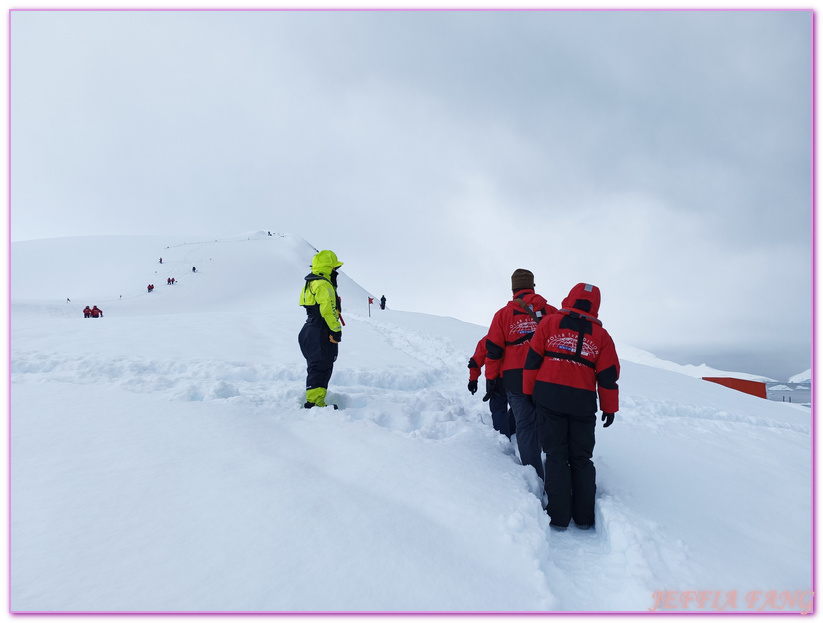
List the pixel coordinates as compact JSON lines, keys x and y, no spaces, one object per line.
{"x":512,"y":327}
{"x":507,"y":345}
{"x":510,"y":333}
{"x":572,"y":360}
{"x":502,"y":417}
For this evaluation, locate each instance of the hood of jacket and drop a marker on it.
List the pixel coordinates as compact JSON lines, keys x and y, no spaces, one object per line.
{"x":530,"y":297}
{"x":324,"y":262}
{"x":583,"y":298}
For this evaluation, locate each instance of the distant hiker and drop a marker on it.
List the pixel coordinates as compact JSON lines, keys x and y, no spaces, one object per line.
{"x":87,"y":312}
{"x":507,"y":345}
{"x":502,"y":416}
{"x":323,"y":330}
{"x":383,"y":302}
{"x":96,"y":313}
{"x":571,"y":362}
{"x":172,"y":281}
{"x":194,"y":269}
{"x":68,"y":300}
{"x":161,"y":260}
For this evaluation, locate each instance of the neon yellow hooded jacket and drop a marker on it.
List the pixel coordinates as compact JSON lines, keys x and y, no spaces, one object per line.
{"x":319,"y":290}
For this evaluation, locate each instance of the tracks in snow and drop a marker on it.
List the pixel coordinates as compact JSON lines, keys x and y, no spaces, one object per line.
{"x":627,"y":552}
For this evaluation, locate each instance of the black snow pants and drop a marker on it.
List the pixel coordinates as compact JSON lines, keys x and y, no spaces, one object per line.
{"x":568,"y":441}
{"x":319,"y":351}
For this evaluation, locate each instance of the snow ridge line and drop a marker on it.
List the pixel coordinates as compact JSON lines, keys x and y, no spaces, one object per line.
{"x":151,"y":375}
{"x":439,"y":354}
{"x":655,"y":413}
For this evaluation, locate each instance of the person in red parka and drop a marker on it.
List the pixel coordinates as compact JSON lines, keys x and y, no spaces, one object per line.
{"x":502,"y":415}
{"x":507,"y":345}
{"x":87,"y":312}
{"x":96,"y":312}
{"x":571,"y":362}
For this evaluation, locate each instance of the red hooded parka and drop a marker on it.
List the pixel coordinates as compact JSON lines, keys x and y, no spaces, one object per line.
{"x":572,"y":359}
{"x":507,"y":343}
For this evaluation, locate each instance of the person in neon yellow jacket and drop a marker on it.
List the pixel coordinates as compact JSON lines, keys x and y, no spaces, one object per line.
{"x":323,"y":330}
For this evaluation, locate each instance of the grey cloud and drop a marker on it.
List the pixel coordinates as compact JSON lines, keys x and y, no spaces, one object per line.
{"x":436,"y":150}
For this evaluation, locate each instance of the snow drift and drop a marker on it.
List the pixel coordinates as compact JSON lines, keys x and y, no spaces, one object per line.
{"x":802,"y":377}
{"x":161,"y":461}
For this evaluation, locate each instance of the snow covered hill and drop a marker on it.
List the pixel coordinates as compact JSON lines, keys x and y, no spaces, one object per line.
{"x":803,"y":377}
{"x":161,"y":461}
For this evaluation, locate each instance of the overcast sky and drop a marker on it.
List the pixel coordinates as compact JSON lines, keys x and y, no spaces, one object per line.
{"x":663,"y":155}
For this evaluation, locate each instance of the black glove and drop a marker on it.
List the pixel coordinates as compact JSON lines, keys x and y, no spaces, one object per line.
{"x":491,"y":387}
{"x":608,"y":418}
{"x":473,"y":387}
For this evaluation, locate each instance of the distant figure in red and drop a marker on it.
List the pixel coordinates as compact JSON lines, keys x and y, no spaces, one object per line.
{"x":161,"y":260}
{"x":87,"y":312}
{"x":168,"y":281}
{"x":96,"y":312}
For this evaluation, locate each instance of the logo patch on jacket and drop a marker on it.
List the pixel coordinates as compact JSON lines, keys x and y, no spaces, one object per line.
{"x":568,"y":344}
{"x":522,"y":327}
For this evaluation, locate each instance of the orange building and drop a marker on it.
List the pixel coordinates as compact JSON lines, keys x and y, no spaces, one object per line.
{"x":755,"y":388}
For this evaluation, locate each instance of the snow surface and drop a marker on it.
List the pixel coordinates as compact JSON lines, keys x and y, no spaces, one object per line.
{"x":803,"y":377}
{"x":637,"y":355}
{"x":161,"y":460}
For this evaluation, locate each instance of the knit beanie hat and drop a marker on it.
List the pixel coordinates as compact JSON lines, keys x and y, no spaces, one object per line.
{"x":522,"y":278}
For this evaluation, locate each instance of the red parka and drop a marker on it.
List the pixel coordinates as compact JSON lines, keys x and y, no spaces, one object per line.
{"x":572,"y":359}
{"x":478,"y":360}
{"x":507,"y":343}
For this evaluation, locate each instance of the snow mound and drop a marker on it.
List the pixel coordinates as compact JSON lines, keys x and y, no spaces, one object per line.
{"x":629,"y":353}
{"x":803,"y":377}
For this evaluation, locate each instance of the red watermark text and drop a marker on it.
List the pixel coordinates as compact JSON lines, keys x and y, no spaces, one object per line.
{"x":718,"y":601}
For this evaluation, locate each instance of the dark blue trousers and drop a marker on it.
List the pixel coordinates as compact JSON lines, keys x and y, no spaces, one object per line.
{"x":502,"y":416}
{"x":528,"y":442}
{"x":320,"y":353}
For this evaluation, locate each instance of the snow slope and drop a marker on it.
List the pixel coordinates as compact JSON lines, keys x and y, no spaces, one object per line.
{"x":161,"y":461}
{"x":803,"y":377}
{"x":629,"y":353}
